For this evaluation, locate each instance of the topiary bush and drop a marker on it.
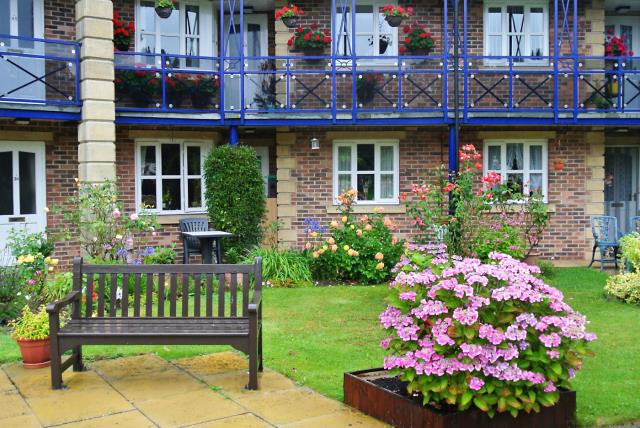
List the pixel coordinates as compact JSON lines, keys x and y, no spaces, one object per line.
{"x":234,"y":192}
{"x":491,"y":335}
{"x":625,"y":287}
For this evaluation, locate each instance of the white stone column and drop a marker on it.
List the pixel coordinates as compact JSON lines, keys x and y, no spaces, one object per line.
{"x":97,"y":130}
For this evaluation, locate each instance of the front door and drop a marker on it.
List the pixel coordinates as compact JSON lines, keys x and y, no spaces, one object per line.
{"x":20,"y":74}
{"x":22,"y":187}
{"x":629,"y":27}
{"x":254,"y":42}
{"x":621,"y":184}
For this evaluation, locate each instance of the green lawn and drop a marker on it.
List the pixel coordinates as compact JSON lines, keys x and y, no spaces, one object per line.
{"x":313,"y":335}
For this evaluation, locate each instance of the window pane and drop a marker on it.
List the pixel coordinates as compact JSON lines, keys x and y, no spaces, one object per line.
{"x":494,"y":160}
{"x":6,"y":183}
{"x":344,"y":183}
{"x":148,"y":45}
{"x":386,"y":186}
{"x":535,"y":184}
{"x":364,"y":45}
{"x":195,"y":193}
{"x":148,"y":193}
{"x":364,"y":19}
{"x":366,"y":189}
{"x":193,"y":160}
{"x":171,"y":25}
{"x":516,"y":18}
{"x":170,"y":159}
{"x":366,"y":155}
{"x":537,"y":46}
{"x":514,"y":156}
{"x":386,"y":158}
{"x":146,"y":17}
{"x":25,"y":22}
{"x":27,"y":182}
{"x":494,"y":20}
{"x":535,"y":158}
{"x":192,"y":20}
{"x":536,"y":20}
{"x":344,"y":158}
{"x":147,"y":160}
{"x":171,"y":195}
{"x":494,"y":47}
{"x":169,"y":44}
{"x":515,"y":182}
{"x":5,"y":18}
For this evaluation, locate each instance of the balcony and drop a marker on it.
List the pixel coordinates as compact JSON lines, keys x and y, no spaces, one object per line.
{"x":39,"y":78}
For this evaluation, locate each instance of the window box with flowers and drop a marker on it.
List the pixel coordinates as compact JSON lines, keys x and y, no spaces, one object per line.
{"x":141,"y":86}
{"x":311,"y":41}
{"x":203,"y":90}
{"x":417,"y":40}
{"x":394,"y":15}
{"x":289,"y":15}
{"x":367,"y":85}
{"x":122,"y":33}
{"x":164,"y":8}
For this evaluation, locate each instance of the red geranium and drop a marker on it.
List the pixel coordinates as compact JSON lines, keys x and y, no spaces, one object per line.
{"x":122,"y":33}
{"x":289,"y":12}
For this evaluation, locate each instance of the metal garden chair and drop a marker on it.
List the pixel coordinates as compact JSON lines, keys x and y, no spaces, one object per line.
{"x":191,"y":246}
{"x":605,"y":235}
{"x":634,"y":224}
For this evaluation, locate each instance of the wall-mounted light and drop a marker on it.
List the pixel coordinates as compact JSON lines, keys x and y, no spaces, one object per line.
{"x":622,"y":9}
{"x":315,"y":143}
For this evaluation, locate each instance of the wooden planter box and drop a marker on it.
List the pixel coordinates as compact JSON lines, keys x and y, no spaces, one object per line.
{"x":402,"y":412}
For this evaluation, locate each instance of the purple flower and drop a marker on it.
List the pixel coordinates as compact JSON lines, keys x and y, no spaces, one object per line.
{"x":476,"y":383}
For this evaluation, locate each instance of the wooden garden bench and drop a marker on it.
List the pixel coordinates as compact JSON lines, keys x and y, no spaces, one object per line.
{"x":140,"y":316}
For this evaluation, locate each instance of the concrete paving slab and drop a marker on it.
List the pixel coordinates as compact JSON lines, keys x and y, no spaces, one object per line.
{"x":233,"y":384}
{"x":5,"y":383}
{"x":181,"y":410}
{"x":283,"y":407}
{"x":130,"y":366}
{"x":248,"y":420}
{"x":12,"y":405}
{"x":157,"y":385}
{"x":24,"y":421}
{"x":344,"y":418}
{"x":70,"y":405}
{"x":129,"y":419}
{"x":37,"y":383}
{"x":221,"y":362}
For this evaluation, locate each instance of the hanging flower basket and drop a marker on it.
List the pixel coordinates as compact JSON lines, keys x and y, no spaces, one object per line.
{"x":558,"y":165}
{"x":417,"y":41}
{"x":289,"y":15}
{"x":290,"y":22}
{"x":394,"y":15}
{"x":310,"y":41}
{"x":394,"y":21}
{"x":122,"y":33}
{"x":164,"y":8}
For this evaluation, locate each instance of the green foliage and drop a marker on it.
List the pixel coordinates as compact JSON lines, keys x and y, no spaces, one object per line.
{"x":547,"y":268}
{"x":58,"y":286}
{"x":503,"y":238}
{"x":282,"y":268}
{"x":21,"y":242}
{"x":165,"y":3}
{"x":11,"y":298}
{"x":162,"y":256}
{"x":625,"y":287}
{"x":234,"y":192}
{"x":630,"y":248}
{"x":30,"y":325}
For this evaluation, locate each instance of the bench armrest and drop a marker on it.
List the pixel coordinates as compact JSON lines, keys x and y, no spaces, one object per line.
{"x":257,"y":298}
{"x":55,"y":307}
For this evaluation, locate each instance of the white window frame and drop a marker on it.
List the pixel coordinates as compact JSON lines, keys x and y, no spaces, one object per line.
{"x":206,"y":25}
{"x":528,"y":5}
{"x":205,"y":148}
{"x":353,"y":144}
{"x":526,"y":171}
{"x":380,"y":59}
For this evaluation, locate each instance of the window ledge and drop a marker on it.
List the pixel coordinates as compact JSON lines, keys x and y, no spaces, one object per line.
{"x":175,"y":218}
{"x":551,"y":208}
{"x":369,"y":209}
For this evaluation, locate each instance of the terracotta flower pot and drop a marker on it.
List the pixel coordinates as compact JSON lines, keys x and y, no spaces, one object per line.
{"x":35,"y":353}
{"x":290,"y":21}
{"x":558,"y":165}
{"x":164,"y":12}
{"x":393,"y":21}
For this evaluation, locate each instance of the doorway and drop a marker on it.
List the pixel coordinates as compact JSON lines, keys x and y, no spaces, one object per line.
{"x":621,"y":185}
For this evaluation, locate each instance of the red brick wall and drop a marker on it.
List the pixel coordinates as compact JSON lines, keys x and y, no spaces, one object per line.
{"x":426,"y":148}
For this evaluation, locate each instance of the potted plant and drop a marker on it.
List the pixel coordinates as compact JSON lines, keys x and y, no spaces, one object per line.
{"x":395,"y":14}
{"x":417,"y":41}
{"x":310,"y":40}
{"x":164,"y":8}
{"x":473,"y":343}
{"x":175,"y":89}
{"x":367,"y":85}
{"x":558,"y":165}
{"x":614,"y":47}
{"x":140,"y":85}
{"x":202,"y":90}
{"x":289,"y":15}
{"x":122,"y":33}
{"x":31,"y":331}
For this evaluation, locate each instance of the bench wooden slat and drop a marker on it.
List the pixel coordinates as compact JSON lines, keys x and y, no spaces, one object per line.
{"x":185,"y":295}
{"x":89,"y":300}
{"x":161,"y":295}
{"x":136,"y":295}
{"x":209,"y":295}
{"x":167,"y":269}
{"x":156,"y":327}
{"x":221,"y":288}
{"x":245,"y":295}
{"x":172,"y":294}
{"x":125,"y":295}
{"x":196,"y":294}
{"x":101,"y":285}
{"x":113,"y":290}
{"x":149,"y":298}
{"x":233,"y":295}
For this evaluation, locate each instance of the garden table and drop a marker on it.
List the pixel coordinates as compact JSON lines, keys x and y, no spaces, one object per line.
{"x":206,"y":239}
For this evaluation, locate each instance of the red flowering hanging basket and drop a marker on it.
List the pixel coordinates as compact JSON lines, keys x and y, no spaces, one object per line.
{"x":122,"y":33}
{"x":289,"y":15}
{"x":311,"y":41}
{"x":395,"y":15}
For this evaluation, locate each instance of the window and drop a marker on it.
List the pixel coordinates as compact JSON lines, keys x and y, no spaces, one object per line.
{"x":516,"y":29}
{"x":373,"y":38}
{"x":169,"y":175}
{"x":521,"y":163}
{"x":368,"y":166}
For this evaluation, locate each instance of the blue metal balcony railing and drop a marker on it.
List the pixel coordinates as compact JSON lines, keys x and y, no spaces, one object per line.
{"x":39,"y":72}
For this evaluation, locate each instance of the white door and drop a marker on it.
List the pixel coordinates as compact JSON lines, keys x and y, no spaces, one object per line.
{"x":254,"y":42}
{"x":629,"y":27}
{"x":22,"y":187}
{"x":20,"y":74}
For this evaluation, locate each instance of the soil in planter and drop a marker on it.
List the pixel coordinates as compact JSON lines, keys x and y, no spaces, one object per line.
{"x":395,"y":385}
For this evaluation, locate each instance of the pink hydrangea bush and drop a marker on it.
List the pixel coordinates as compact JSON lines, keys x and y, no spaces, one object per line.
{"x":492,"y":335}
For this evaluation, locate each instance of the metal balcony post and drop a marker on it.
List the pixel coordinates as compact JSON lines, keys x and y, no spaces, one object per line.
{"x":465,"y":58}
{"x":354,"y":64}
{"x":221,"y":53}
{"x":445,"y":63}
{"x":242,"y":64}
{"x":576,"y":64}
{"x":233,"y":136}
{"x":555,"y":61}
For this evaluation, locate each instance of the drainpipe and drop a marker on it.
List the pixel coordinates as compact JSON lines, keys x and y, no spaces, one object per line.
{"x":233,"y":136}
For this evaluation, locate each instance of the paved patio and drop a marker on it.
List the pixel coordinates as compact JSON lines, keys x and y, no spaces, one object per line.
{"x":147,"y":391}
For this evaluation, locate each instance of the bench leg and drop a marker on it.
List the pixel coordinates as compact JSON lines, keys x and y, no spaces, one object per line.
{"x":77,"y":359}
{"x":260,"y":359}
{"x":253,"y":351}
{"x":56,"y":365}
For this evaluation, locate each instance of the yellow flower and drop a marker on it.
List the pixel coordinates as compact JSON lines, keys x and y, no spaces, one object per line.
{"x":315,"y":254}
{"x":346,"y":248}
{"x":324,"y":247}
{"x":47,"y":259}
{"x":20,"y":260}
{"x":114,"y":198}
{"x":118,"y":237}
{"x":344,"y":219}
{"x":29,"y":259}
{"x":378,"y":210}
{"x":356,"y":254}
{"x":334,"y":224}
{"x":379,"y":256}
{"x":331,"y":241}
{"x":321,"y":250}
{"x":380,"y":266}
{"x":359,"y":232}
{"x":50,"y":268}
{"x":352,"y":226}
{"x":334,"y":248}
{"x":351,"y":252}
{"x":55,"y":262}
{"x":314,"y":234}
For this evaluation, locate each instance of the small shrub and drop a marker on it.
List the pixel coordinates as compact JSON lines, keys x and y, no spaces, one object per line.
{"x":11,"y":296}
{"x":282,"y":268}
{"x":160,"y":256}
{"x":58,"y":286}
{"x":463,"y":333}
{"x":234,"y":192}
{"x":547,"y":268}
{"x":625,"y":287}
{"x":630,"y":249}
{"x":30,"y":325}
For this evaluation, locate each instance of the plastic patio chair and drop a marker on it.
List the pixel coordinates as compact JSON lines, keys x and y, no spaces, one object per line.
{"x":605,"y":236}
{"x":191,"y":246}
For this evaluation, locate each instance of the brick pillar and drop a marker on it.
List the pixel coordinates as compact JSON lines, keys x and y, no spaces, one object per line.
{"x":97,"y":131}
{"x":595,"y":183}
{"x":287,"y":187}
